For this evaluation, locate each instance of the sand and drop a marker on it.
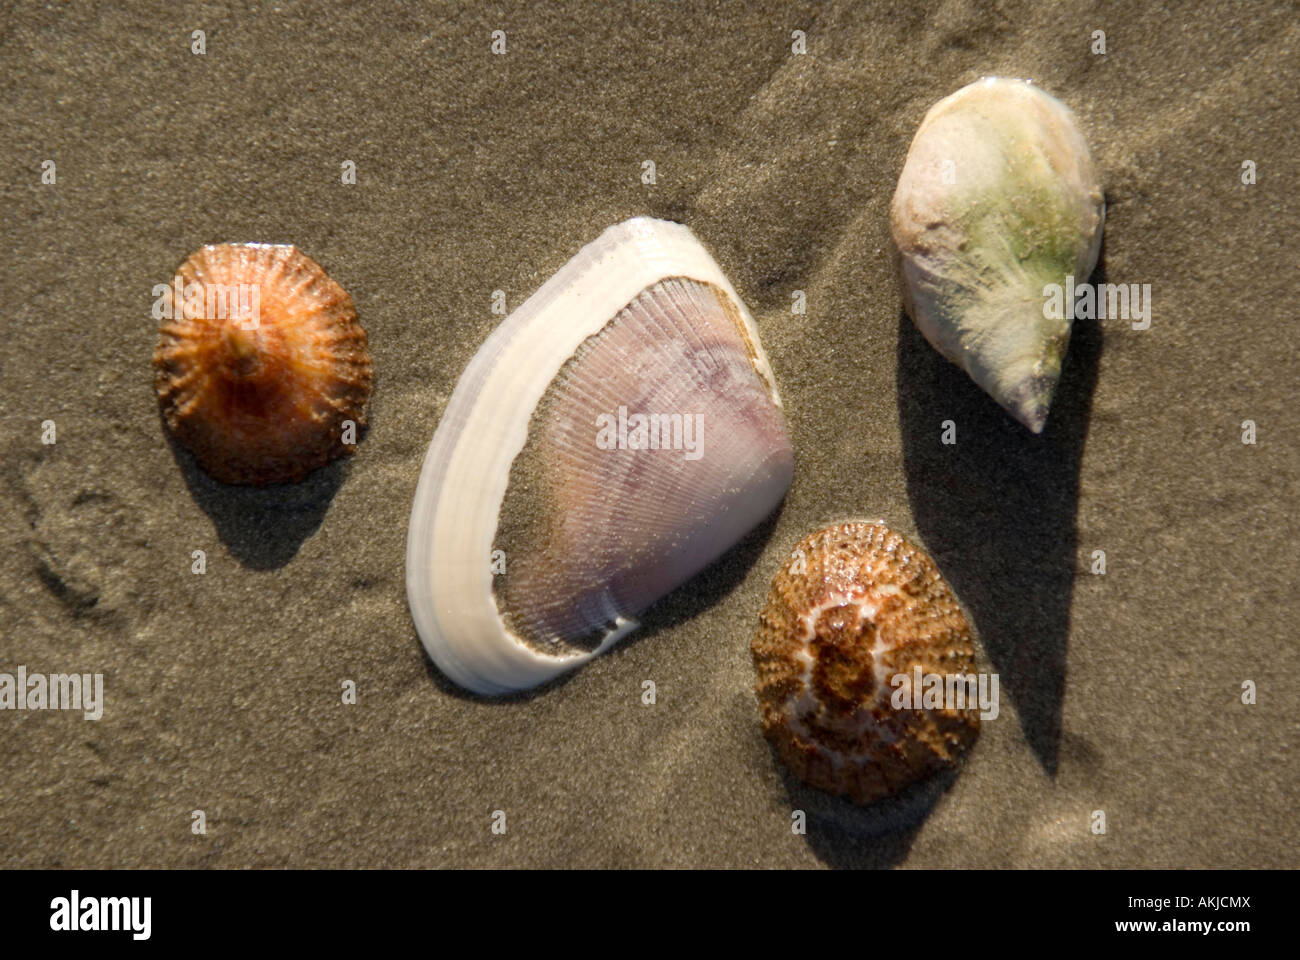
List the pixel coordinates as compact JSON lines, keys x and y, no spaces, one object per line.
{"x":477,"y":172}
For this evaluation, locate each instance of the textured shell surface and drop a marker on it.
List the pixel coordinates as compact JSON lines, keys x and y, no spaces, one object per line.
{"x":259,"y":378}
{"x":617,"y":433}
{"x":998,"y":198}
{"x":856,"y":606}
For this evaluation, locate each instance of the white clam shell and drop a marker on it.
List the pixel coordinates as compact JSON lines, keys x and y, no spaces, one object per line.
{"x":641,"y":316}
{"x":997,"y":199}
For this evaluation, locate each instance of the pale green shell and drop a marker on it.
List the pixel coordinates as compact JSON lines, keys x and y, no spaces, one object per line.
{"x":997,"y":199}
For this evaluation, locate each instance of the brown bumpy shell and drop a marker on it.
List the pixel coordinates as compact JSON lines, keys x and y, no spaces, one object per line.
{"x":266,"y":401}
{"x":856,"y":605}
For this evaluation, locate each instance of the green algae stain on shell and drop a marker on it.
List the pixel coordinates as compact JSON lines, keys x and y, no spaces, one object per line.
{"x":997,"y":199}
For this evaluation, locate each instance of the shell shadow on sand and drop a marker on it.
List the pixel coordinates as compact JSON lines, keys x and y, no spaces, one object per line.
{"x":843,"y":835}
{"x":263,"y":527}
{"x":997,"y":512}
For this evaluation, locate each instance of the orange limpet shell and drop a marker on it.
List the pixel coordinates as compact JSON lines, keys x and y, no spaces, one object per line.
{"x":262,"y":400}
{"x":856,"y":605}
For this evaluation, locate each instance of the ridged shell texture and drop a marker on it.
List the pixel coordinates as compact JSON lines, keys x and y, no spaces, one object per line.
{"x":266,"y":402}
{"x":856,"y":605}
{"x":615,"y":529}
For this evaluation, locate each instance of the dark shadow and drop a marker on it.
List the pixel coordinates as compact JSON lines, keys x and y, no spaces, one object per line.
{"x":847,"y":836}
{"x":697,"y":594}
{"x":263,"y":527}
{"x":997,"y":511}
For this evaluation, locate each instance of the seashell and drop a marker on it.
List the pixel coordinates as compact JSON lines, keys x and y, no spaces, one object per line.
{"x":998,"y":198}
{"x":855,"y":606}
{"x":617,"y":433}
{"x":260,"y":373}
